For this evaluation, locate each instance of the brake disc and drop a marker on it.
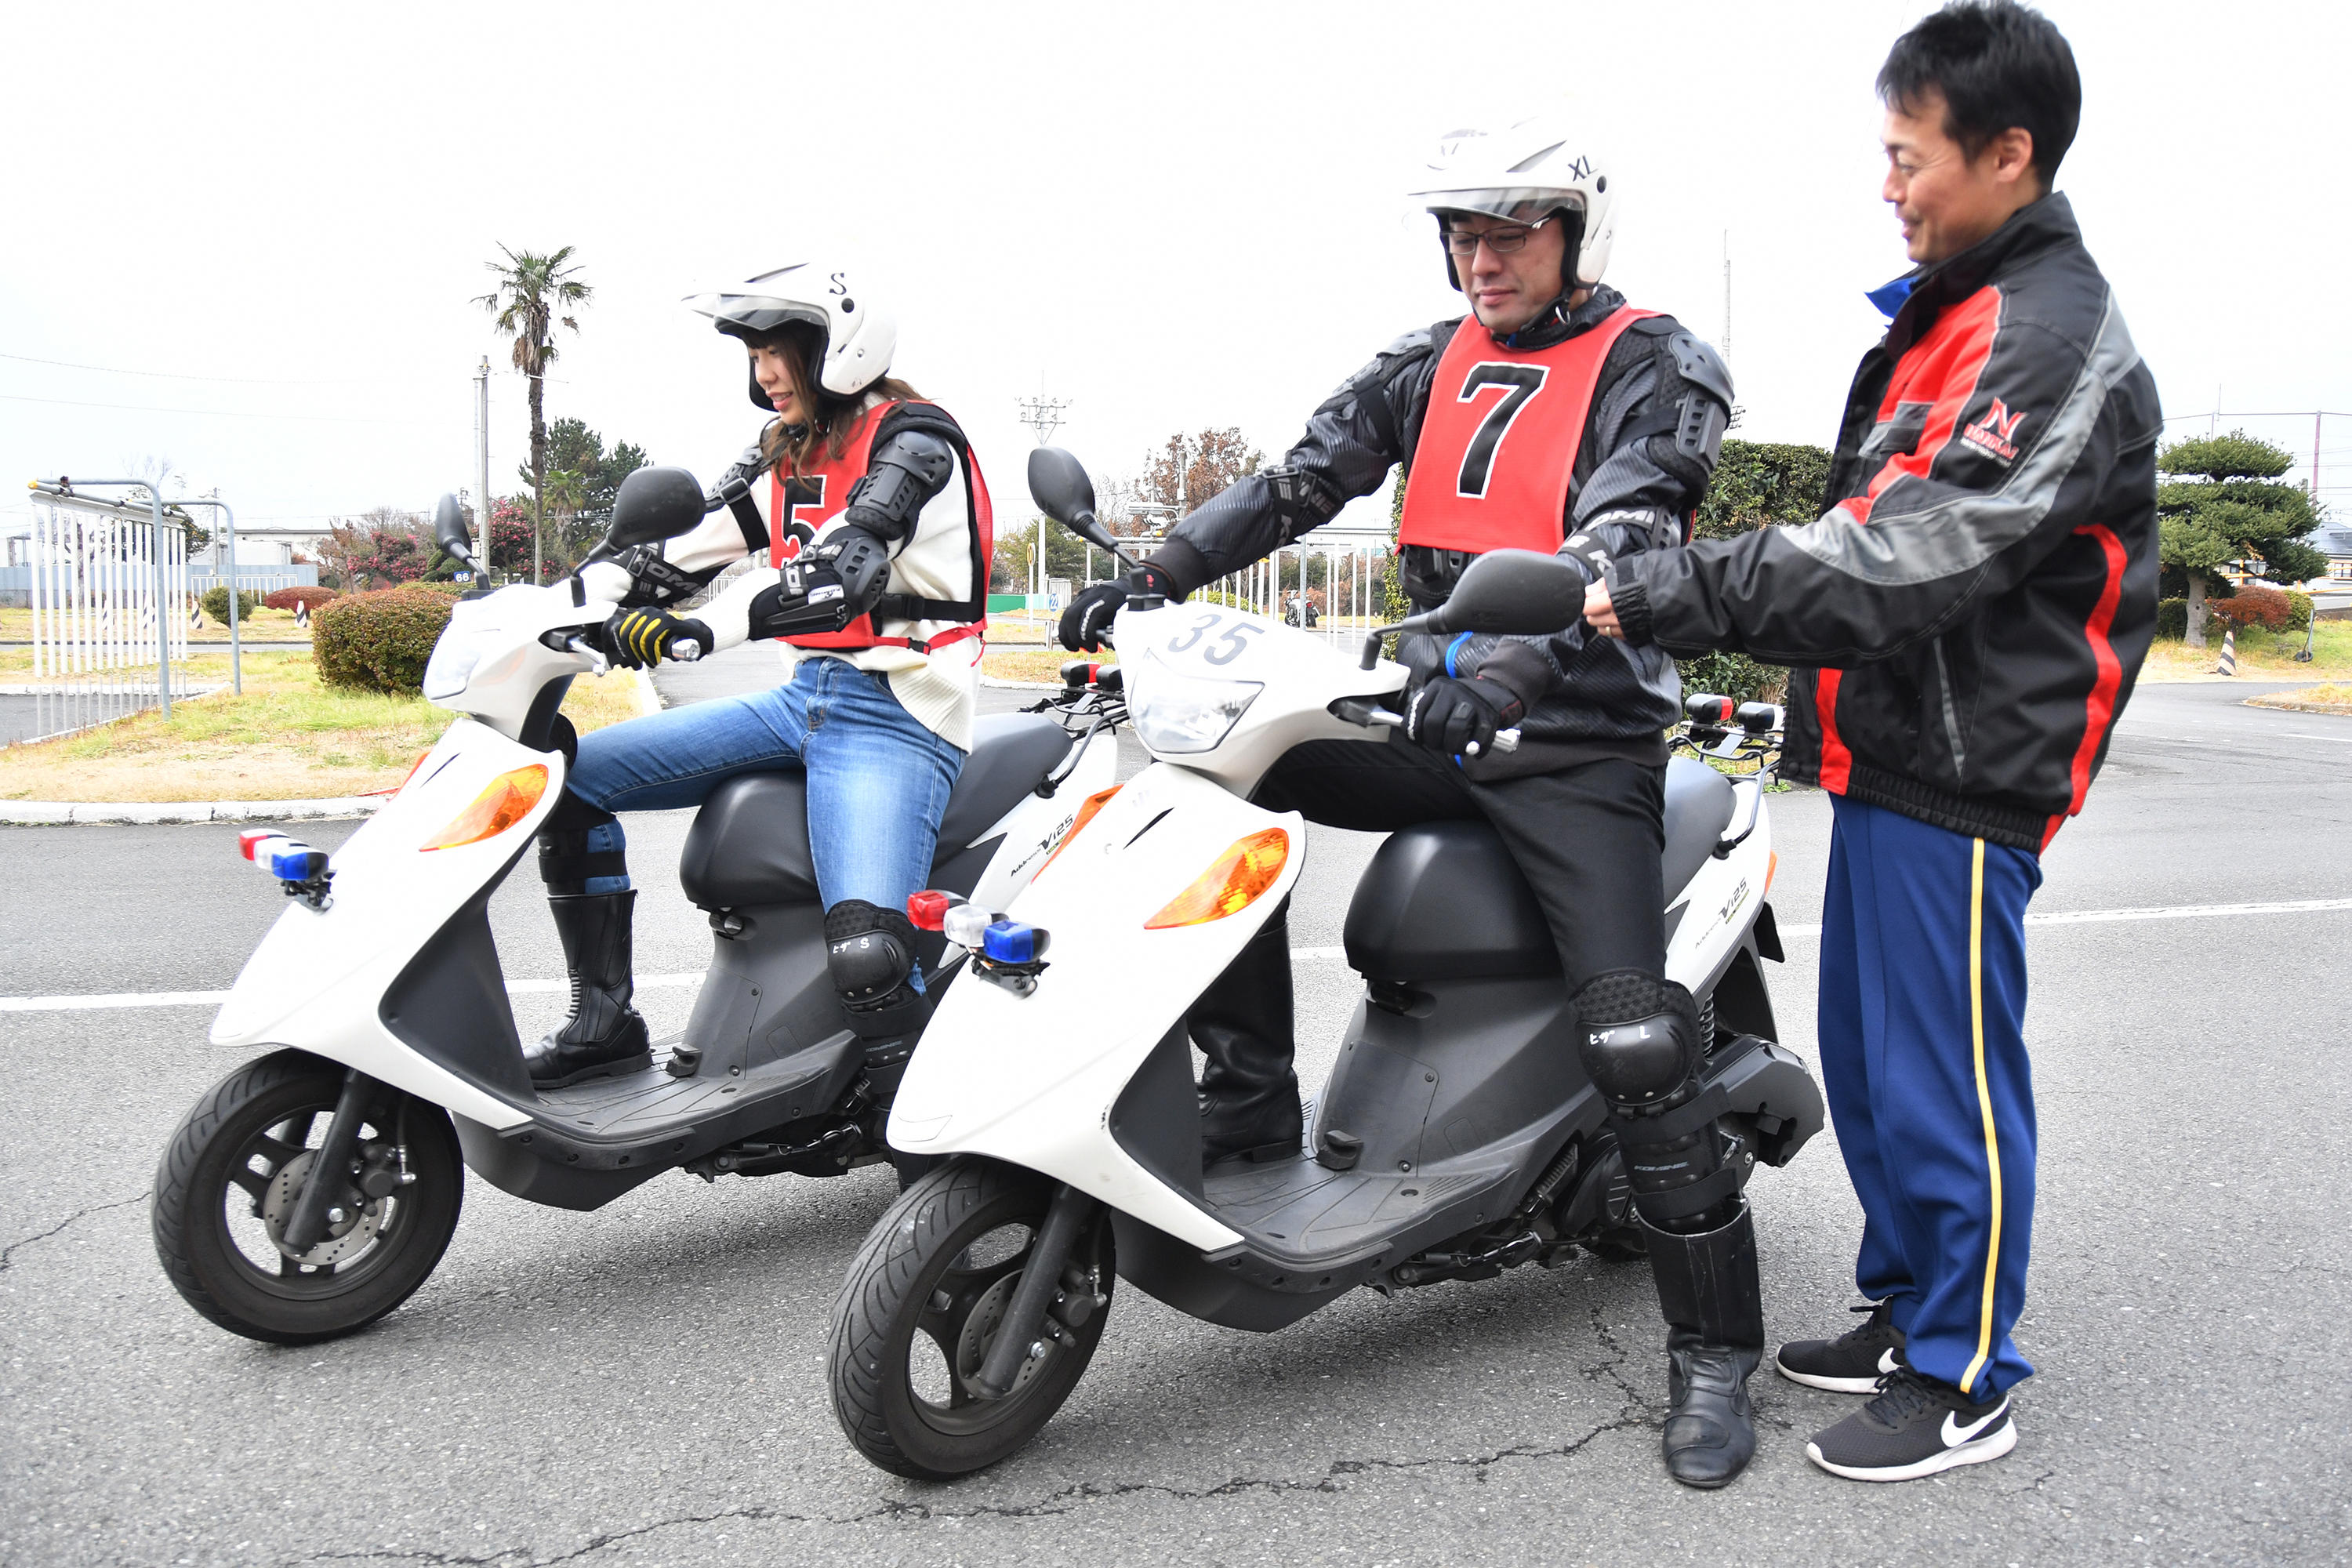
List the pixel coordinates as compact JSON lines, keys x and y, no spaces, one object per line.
{"x":343,"y":1239}
{"x":979,"y":1331}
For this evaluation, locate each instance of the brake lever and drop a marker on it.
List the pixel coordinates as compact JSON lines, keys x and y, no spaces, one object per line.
{"x":598,"y":663}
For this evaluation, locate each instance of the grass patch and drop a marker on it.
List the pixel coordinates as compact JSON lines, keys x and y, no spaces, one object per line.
{"x":1019,"y":663}
{"x":287,"y":737}
{"x":2330,"y":698}
{"x":2259,"y":652}
{"x":262,"y":625}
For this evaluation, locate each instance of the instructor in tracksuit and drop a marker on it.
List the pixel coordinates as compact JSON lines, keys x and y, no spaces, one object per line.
{"x":1966,"y":620}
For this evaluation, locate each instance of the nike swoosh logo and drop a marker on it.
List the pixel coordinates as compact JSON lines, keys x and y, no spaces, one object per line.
{"x":1954,"y":1434}
{"x":1887,"y":1361}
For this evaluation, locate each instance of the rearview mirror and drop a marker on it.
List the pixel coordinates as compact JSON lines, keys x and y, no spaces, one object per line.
{"x":1519,"y":592}
{"x":1059,"y":484}
{"x":655,"y":504}
{"x":449,"y":529}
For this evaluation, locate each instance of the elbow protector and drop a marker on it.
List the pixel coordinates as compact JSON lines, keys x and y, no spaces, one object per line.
{"x":862,"y":561}
{"x":901,"y":477}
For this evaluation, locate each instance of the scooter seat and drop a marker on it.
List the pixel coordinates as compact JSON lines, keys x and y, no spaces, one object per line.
{"x":1698,"y":809}
{"x":749,"y":846}
{"x":1444,"y":901}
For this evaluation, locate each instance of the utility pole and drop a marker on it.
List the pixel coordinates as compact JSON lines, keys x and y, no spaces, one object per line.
{"x":482,"y":449}
{"x":1736,"y":409}
{"x":1042,"y":414}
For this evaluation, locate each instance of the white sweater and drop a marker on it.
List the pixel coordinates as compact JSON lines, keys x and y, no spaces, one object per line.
{"x":938,"y":688}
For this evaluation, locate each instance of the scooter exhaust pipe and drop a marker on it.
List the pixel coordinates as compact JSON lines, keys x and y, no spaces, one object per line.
{"x":1017,"y":1340}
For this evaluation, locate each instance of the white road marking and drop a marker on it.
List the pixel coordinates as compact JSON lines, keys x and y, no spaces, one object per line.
{"x":2175,"y":912}
{"x":214,"y":998}
{"x":2306,"y":735}
{"x":105,"y":1000}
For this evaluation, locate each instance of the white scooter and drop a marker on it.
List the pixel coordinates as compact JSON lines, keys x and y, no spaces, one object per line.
{"x":392,"y":1056}
{"x":1458,"y":1134}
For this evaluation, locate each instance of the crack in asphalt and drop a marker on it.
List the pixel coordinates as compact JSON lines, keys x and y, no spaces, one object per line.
{"x":1052,"y":1505}
{"x":9,"y":1254}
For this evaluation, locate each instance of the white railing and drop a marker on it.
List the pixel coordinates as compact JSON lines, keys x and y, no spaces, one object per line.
{"x":98,"y":654}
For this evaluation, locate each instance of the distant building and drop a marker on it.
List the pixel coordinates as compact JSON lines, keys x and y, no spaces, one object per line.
{"x":2334,"y":540}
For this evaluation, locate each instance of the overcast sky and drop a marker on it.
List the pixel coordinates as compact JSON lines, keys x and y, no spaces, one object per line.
{"x":1172,"y":215}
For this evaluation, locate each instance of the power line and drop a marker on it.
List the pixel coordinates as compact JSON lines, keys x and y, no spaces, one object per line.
{"x":253,"y":380}
{"x":217,"y":413}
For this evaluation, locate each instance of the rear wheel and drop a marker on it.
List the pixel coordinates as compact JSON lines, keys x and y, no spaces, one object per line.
{"x":230,"y":1178}
{"x":922,"y":1304}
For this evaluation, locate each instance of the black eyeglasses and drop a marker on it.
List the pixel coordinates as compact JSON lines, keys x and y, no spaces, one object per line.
{"x":1464,"y":242}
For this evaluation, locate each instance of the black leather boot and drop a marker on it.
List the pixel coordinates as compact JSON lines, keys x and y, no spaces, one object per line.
{"x":1714,"y":1307}
{"x":1249,"y":1095}
{"x":604,"y":1036}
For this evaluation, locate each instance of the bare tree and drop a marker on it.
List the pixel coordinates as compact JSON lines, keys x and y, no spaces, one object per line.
{"x":1189,"y":469}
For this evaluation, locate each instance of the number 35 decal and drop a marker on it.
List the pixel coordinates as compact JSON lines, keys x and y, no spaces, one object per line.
{"x":1523,"y":381}
{"x":1225,"y":649}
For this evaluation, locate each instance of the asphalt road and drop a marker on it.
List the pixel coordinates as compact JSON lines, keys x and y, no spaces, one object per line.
{"x":644,"y":1384}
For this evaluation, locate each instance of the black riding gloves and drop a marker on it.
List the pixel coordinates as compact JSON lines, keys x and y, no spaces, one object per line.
{"x":641,"y":639}
{"x":1460,"y":717}
{"x":1092,"y":611}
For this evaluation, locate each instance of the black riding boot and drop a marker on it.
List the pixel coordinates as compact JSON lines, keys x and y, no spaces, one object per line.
{"x":1249,"y":1095}
{"x":1714,"y":1306}
{"x":604,"y":1036}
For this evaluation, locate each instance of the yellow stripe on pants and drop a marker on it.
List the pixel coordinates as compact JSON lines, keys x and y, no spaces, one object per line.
{"x":1984,"y":1107}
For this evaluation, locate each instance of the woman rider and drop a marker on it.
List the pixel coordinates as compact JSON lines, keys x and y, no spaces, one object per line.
{"x":877,"y":539}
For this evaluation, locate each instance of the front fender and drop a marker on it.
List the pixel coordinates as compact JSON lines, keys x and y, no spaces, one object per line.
{"x":318,"y":980}
{"x":1032,"y":1080}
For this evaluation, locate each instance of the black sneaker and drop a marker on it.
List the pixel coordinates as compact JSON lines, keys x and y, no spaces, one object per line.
{"x":1853,"y":1362}
{"x":1917,"y":1426}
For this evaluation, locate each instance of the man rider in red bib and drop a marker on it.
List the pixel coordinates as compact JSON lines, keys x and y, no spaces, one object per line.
{"x":1554,"y":418}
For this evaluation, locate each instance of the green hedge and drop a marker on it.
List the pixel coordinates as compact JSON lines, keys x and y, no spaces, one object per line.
{"x":214,"y":601}
{"x":379,"y":641}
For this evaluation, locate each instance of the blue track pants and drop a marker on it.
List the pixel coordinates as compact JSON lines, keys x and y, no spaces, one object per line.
{"x":1924,"y":1065}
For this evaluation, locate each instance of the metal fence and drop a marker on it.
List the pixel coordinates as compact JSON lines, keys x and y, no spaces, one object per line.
{"x":96,"y":651}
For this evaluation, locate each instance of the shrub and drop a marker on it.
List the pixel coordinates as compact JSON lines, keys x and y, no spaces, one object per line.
{"x":1734,"y":674}
{"x":287,"y":598}
{"x":379,"y":641}
{"x":2172,"y":618}
{"x":216,"y":602}
{"x":2253,"y":605}
{"x":2299,"y":603}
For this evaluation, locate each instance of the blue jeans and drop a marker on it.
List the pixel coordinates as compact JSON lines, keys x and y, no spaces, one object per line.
{"x":1924,"y":1063}
{"x":877,"y":781}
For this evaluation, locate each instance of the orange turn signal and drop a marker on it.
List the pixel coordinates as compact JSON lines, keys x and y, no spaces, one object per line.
{"x":1771,"y":868}
{"x":1229,"y":887}
{"x":1086,"y":809}
{"x":506,"y":800}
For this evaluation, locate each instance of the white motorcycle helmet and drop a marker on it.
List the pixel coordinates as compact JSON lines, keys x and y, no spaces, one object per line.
{"x":1526,"y":173}
{"x":859,"y":335}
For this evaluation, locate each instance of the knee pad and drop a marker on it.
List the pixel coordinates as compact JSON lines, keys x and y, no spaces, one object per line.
{"x":1639,"y":1038}
{"x":582,"y":850}
{"x":871,"y":952}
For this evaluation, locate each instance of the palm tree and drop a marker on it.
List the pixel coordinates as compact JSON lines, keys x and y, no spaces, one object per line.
{"x":533,"y":294}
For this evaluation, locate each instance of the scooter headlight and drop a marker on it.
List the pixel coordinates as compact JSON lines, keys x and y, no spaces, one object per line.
{"x":451,"y":665}
{"x":1178,"y":714}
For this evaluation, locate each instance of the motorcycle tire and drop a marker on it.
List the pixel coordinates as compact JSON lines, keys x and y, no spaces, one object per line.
{"x":913,"y":1320}
{"x":224,"y":1179}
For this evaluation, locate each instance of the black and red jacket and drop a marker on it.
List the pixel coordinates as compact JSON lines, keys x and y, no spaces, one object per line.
{"x":1968,"y":617}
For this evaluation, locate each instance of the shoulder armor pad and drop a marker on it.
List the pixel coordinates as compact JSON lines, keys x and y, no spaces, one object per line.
{"x":1697,"y":363}
{"x":920,"y":452}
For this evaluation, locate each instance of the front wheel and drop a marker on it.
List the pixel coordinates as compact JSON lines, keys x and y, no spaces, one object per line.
{"x":229,"y":1179}
{"x":914,"y":1320}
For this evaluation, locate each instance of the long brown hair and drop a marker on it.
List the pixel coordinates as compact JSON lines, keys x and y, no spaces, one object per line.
{"x":789,"y":448}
